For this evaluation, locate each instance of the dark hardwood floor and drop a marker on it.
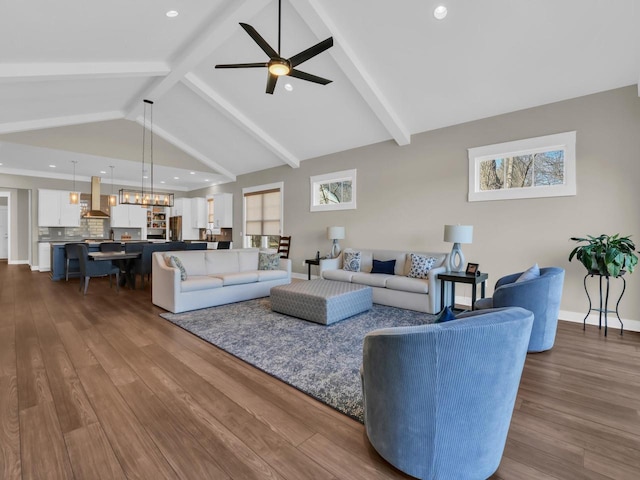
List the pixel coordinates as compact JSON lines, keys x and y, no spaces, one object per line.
{"x":101,"y":387}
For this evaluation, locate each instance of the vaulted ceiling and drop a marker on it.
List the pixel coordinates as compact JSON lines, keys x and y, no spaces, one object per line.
{"x":73,"y":75}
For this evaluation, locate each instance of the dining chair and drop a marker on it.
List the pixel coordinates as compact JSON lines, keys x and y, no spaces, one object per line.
{"x":71,"y":253}
{"x":110,"y":247}
{"x":95,"y":268}
{"x":284,"y":245}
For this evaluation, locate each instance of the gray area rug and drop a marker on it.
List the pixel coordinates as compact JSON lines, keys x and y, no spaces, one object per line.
{"x":321,"y":361}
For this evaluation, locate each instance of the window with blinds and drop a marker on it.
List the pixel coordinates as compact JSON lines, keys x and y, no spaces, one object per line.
{"x":262,"y":217}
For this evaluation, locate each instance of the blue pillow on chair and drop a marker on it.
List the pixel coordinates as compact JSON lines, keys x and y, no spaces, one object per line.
{"x":445,"y":315}
{"x":530,"y":274}
{"x":387,"y":267}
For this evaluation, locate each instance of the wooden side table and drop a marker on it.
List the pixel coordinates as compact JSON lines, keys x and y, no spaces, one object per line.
{"x":462,"y":277}
{"x":309,"y":262}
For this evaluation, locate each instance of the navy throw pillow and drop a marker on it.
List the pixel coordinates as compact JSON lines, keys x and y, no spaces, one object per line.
{"x":387,"y":267}
{"x":445,"y":315}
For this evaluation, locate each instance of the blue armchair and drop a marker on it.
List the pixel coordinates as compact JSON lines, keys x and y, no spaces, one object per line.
{"x":438,"y":398}
{"x":541,"y":295}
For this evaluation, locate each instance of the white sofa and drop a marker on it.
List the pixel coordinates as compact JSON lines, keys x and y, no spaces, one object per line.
{"x":398,"y":290}
{"x":214,"y":277}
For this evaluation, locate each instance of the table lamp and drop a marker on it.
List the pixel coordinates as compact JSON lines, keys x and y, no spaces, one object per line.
{"x":457,"y":234}
{"x":335,"y":234}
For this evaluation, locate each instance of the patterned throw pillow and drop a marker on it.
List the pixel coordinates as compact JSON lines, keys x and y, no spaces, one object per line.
{"x":351,"y":261}
{"x":177,"y":263}
{"x":420,"y":265}
{"x":268,"y":261}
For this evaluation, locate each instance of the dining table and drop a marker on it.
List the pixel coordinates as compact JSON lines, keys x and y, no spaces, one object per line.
{"x":125,"y":261}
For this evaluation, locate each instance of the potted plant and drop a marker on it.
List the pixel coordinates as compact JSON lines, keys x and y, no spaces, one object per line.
{"x":607,"y":255}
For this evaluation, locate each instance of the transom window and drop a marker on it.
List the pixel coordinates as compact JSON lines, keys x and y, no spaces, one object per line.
{"x":333,"y":191}
{"x":535,"y":167}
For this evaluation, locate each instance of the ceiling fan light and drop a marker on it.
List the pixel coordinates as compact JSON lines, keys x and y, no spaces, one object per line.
{"x":279,"y":67}
{"x":440,"y":12}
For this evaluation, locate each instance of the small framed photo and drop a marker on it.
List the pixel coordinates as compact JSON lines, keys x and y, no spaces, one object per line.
{"x":472,"y":268}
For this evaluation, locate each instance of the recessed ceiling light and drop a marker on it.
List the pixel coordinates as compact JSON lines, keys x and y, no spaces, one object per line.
{"x":192,"y":173}
{"x":172,"y":13}
{"x":0,"y":164}
{"x":206,"y":179}
{"x":102,"y":172}
{"x":440,"y":12}
{"x":288,"y":87}
{"x":176,"y":178}
{"x":162,"y":181}
{"x":145,"y":176}
{"x":52,"y":166}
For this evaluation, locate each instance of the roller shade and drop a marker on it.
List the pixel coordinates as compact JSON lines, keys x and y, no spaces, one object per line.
{"x":262,"y":212}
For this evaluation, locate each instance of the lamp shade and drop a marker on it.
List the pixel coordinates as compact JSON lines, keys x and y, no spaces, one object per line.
{"x":458,"y":233}
{"x":335,"y":233}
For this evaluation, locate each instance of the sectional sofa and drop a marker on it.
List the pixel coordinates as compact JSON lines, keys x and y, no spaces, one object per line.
{"x":206,"y":278}
{"x":397,"y":288}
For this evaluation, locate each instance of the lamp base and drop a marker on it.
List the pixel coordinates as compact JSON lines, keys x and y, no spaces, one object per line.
{"x":335,"y":249}
{"x":456,"y":259}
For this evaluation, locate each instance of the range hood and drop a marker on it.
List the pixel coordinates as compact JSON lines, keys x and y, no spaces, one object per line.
{"x":95,"y":211}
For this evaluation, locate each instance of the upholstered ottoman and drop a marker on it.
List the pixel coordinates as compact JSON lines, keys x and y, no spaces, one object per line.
{"x":321,"y":301}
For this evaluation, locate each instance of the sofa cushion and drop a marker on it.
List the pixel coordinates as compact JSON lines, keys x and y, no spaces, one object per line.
{"x":223,"y":261}
{"x":237,"y":278}
{"x":268,"y":261}
{"x":387,"y":266}
{"x":266,"y":275}
{"x":420,"y":265}
{"x":200,"y":282}
{"x":192,"y":261}
{"x":351,"y":260}
{"x":371,"y":279}
{"x":339,"y":275}
{"x":247,"y":260}
{"x":366,"y":260}
{"x":406,"y":284}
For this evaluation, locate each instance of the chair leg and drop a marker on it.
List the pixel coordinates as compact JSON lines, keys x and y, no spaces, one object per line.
{"x":67,"y":270}
{"x":86,"y":284}
{"x":117,"y":281}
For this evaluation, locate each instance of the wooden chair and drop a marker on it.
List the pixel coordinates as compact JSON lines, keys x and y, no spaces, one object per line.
{"x":284,"y":246}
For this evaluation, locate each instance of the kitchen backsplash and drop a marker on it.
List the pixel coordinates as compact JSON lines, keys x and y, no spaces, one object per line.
{"x":89,"y":228}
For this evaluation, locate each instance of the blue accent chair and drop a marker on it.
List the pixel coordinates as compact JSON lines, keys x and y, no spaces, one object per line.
{"x":438,"y":398}
{"x":540,"y":295}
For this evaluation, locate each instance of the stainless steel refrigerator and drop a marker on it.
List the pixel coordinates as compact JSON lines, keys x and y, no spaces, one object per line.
{"x":175,"y":229}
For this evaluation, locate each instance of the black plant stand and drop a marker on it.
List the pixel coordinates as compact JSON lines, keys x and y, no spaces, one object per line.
{"x":604,"y":310}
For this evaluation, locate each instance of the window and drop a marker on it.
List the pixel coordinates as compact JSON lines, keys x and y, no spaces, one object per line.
{"x":535,"y":167}
{"x":262,"y":215}
{"x":333,"y":191}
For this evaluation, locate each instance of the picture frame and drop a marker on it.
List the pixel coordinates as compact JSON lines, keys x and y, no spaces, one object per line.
{"x":472,"y":268}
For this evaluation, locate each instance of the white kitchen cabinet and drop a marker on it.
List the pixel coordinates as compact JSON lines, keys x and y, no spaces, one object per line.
{"x":199,"y":213}
{"x":223,"y":210}
{"x":54,"y":209}
{"x":128,"y":216}
{"x":44,"y":256}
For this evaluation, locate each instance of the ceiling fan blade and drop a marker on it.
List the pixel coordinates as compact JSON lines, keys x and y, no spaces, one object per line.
{"x":311,"y":52}
{"x":308,"y":77}
{"x":271,"y":83}
{"x":262,"y":43}
{"x":242,"y":65}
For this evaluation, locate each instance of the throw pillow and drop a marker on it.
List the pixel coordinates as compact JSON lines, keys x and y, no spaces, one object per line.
{"x":530,"y":274}
{"x":351,"y":261}
{"x":445,"y":315}
{"x":387,"y":267}
{"x":420,"y":265}
{"x":268,"y":261}
{"x":177,"y":263}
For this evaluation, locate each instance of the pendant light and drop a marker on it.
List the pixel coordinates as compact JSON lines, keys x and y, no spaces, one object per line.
{"x":140,"y":197}
{"x":74,"y":196}
{"x":113,"y":199}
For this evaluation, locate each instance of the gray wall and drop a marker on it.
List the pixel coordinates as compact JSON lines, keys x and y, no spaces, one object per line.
{"x":406,"y":194}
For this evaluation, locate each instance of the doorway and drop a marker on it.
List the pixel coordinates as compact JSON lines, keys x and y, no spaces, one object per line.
{"x":4,"y":225}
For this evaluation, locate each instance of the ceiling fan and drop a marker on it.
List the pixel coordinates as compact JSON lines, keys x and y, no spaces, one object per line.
{"x":278,"y":66}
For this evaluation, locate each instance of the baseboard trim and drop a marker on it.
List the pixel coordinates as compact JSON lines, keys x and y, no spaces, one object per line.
{"x":577,"y":317}
{"x":18,"y":262}
{"x":303,"y":276}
